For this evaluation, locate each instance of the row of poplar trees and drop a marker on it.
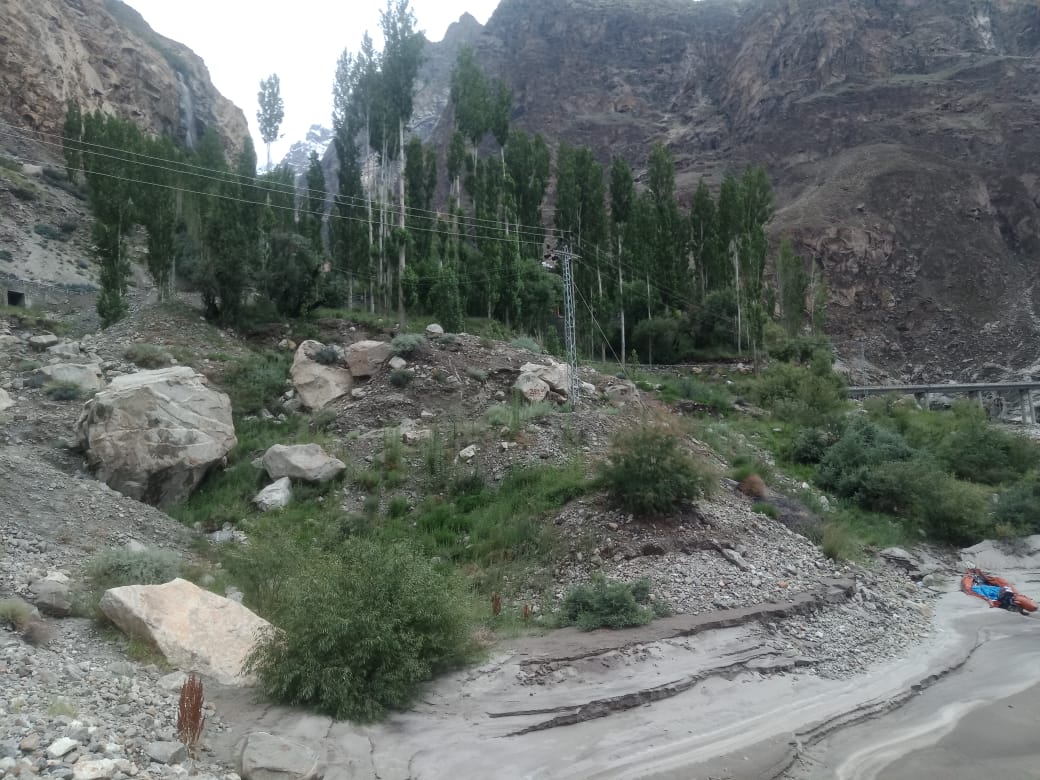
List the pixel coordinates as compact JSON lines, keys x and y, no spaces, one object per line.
{"x":652,"y":277}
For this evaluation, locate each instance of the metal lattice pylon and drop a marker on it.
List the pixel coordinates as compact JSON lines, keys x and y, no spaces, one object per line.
{"x":569,"y":329}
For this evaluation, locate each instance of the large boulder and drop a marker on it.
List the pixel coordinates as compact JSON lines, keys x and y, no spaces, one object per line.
{"x":154,"y":435}
{"x":6,"y":402}
{"x":194,"y":629}
{"x":66,"y":350}
{"x":365,"y":358}
{"x":531,"y":387}
{"x":268,"y":757}
{"x":305,"y":462}
{"x":86,"y":376}
{"x":318,"y":384}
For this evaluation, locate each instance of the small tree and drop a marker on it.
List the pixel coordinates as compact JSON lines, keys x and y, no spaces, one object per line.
{"x":793,"y":283}
{"x":271,"y":113}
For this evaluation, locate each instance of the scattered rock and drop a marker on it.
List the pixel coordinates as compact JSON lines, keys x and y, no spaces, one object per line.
{"x":166,"y":752}
{"x":193,"y":628}
{"x":306,"y":462}
{"x":277,"y":495}
{"x":61,"y":747}
{"x":397,"y":362}
{"x":468,"y":453}
{"x":93,"y":769}
{"x":67,"y":350}
{"x":43,"y":341}
{"x":154,"y":435}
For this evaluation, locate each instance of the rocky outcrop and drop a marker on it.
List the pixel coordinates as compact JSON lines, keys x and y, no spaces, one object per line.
{"x":194,"y":629}
{"x":305,"y":462}
{"x":103,"y":55}
{"x":153,"y":435}
{"x":318,"y":384}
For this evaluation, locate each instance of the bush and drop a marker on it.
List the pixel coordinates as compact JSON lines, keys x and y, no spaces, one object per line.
{"x":846,"y":466}
{"x":799,"y":394}
{"x":603,"y":604}
{"x":327,"y":355}
{"x":407,"y":344}
{"x":766,"y":509}
{"x":398,"y":506}
{"x":358,"y":632}
{"x":1018,"y":507}
{"x":50,"y":231}
{"x":801,"y":349}
{"x":528,"y":343}
{"x":401,"y":377}
{"x":147,"y":356}
{"x":809,"y":445}
{"x":15,"y":612}
{"x":477,"y":374}
{"x":256,"y":382}
{"x":119,"y":566}
{"x":649,"y":473}
{"x":752,"y":486}
{"x":689,"y":389}
{"x":64,"y":391}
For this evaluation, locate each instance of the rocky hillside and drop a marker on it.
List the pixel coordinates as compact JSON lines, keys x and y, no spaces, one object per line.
{"x":103,"y":55}
{"x":899,"y":135}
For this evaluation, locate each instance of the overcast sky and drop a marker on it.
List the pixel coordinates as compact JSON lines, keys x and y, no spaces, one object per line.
{"x":300,"y":40}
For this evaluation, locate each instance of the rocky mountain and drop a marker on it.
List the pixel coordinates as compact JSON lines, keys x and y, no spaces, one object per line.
{"x":103,"y":55}
{"x":900,"y":136}
{"x":298,"y":157}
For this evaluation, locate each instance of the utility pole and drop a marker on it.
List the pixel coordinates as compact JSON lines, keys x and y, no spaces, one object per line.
{"x":569,"y":330}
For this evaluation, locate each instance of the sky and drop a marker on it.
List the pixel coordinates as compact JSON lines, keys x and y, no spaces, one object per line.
{"x":300,"y":40}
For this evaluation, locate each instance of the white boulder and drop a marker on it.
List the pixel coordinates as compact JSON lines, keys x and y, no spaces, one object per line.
{"x":194,"y":629}
{"x":268,"y":757}
{"x":277,"y":495}
{"x":6,"y":402}
{"x":154,"y":435}
{"x":318,"y":384}
{"x":531,"y":387}
{"x":305,"y":462}
{"x":434,"y":331}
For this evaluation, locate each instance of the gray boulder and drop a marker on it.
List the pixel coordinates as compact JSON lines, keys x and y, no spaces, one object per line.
{"x":52,"y":597}
{"x":6,"y":402}
{"x":531,"y":387}
{"x":434,"y":331}
{"x":86,"y":376}
{"x":154,"y":435}
{"x":305,"y":462}
{"x":166,"y":752}
{"x":318,"y":384}
{"x":267,"y":757}
{"x":365,"y":358}
{"x":43,"y":341}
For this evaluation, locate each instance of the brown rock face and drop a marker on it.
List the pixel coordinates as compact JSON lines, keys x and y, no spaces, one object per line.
{"x":103,"y":55}
{"x":901,"y":136}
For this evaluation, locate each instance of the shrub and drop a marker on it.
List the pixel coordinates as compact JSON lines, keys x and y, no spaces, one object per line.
{"x":398,"y":506}
{"x":15,"y":612}
{"x":799,"y":394}
{"x":407,"y":344}
{"x":1018,"y":507}
{"x":256,"y":382}
{"x":528,"y":343}
{"x":752,"y":486}
{"x":604,"y":604}
{"x":64,"y":391}
{"x":477,"y":374}
{"x":518,"y":413}
{"x":49,"y":231}
{"x":147,"y":356}
{"x":26,"y":194}
{"x":801,"y":349}
{"x":690,"y":389}
{"x":360,"y":631}
{"x":327,"y":355}
{"x":766,"y":509}
{"x":119,"y":566}
{"x":401,"y":377}
{"x":649,"y":473}
{"x":809,"y":445}
{"x":838,"y":542}
{"x":863,"y":446}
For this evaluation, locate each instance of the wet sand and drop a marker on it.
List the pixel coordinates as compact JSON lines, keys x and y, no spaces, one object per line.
{"x":999,"y":740}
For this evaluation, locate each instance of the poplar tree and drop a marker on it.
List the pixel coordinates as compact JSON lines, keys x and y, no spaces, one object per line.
{"x":271,"y":112}
{"x":793,"y":282}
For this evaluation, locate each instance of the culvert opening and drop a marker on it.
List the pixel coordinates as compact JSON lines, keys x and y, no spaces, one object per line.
{"x":15,"y":298}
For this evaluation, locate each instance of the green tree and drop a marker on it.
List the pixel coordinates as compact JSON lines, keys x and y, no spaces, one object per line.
{"x":71,"y":142}
{"x":793,"y":282}
{"x":271,"y":112}
{"x":313,"y":204}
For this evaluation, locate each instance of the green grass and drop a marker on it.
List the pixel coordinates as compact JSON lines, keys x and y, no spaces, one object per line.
{"x":147,"y":356}
{"x":256,"y":382}
{"x":517,"y":413}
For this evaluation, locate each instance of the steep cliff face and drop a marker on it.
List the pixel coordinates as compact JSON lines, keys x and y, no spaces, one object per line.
{"x":901,"y":135}
{"x":103,"y":55}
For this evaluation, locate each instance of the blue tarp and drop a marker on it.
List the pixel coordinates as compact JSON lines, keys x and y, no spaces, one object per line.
{"x":991,"y":592}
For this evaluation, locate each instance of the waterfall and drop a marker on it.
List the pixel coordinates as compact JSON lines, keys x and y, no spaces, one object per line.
{"x":187,"y":111}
